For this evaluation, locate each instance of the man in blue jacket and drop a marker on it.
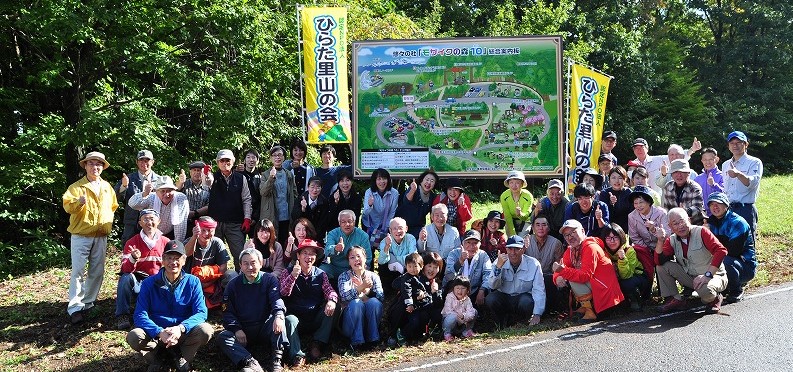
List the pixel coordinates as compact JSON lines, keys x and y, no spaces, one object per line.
{"x":170,"y":315}
{"x":735,"y":234}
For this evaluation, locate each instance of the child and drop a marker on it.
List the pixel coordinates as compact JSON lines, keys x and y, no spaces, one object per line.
{"x":458,"y":309}
{"x":407,"y":312}
{"x":433,"y":264}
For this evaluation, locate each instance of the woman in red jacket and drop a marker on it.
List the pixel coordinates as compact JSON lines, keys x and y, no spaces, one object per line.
{"x":588,"y":271}
{"x":457,"y":202}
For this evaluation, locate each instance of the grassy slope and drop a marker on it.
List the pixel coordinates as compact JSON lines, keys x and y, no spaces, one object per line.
{"x":34,"y":334}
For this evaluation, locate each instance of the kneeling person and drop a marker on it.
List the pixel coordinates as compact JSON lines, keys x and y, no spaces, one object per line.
{"x":170,"y":312}
{"x":517,"y":288}
{"x":254,"y":312}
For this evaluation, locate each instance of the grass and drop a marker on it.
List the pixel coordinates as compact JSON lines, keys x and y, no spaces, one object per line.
{"x":35,"y":335}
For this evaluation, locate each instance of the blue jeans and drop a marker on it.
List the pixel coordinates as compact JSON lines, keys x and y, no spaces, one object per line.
{"x":360,"y":321}
{"x":451,"y":323}
{"x":739,"y":272}
{"x":637,"y":281}
{"x":502,"y":305}
{"x":125,"y":290}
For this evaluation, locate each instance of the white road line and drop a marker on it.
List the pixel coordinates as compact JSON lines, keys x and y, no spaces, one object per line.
{"x":575,"y":334}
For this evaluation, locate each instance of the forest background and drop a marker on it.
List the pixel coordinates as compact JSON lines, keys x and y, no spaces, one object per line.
{"x":184,"y":78}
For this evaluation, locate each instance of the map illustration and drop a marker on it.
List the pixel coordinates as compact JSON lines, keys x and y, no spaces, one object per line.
{"x":465,"y":107}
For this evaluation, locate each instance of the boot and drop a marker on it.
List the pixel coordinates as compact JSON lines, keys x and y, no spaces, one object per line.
{"x":635,"y":300}
{"x":586,"y":308}
{"x":277,"y":355}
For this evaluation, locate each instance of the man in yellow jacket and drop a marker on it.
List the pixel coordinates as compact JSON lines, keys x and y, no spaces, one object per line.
{"x":91,"y":202}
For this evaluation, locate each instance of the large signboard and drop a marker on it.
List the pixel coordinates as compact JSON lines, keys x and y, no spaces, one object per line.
{"x":465,"y":107}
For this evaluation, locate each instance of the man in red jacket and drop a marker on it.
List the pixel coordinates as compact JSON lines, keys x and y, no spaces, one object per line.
{"x":588,"y":271}
{"x":142,"y":257}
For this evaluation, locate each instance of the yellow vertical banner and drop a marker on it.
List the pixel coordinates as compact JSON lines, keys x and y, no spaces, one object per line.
{"x":327,"y":103}
{"x":588,"y":93}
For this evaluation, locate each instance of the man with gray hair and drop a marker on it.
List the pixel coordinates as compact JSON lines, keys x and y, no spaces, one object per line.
{"x":229,"y":203}
{"x":338,"y":243}
{"x":171,"y":205}
{"x":253,"y":312}
{"x":674,"y":152}
{"x":698,"y":264}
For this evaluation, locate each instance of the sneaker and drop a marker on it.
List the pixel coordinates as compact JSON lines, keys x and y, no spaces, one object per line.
{"x":468,"y":333}
{"x":252,"y":365}
{"x":731,"y":299}
{"x":673,"y":305}
{"x":182,"y":365}
{"x":77,"y":317}
{"x":715,"y":306}
{"x":448,"y":337}
{"x":122,"y":322}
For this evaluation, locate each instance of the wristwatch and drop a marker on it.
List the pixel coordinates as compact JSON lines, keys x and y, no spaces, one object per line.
{"x":708,"y":274}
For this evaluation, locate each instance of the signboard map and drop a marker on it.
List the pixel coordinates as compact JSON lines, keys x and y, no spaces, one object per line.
{"x":465,"y":107}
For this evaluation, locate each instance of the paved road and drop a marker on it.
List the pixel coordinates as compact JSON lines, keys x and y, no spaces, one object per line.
{"x":754,"y":335}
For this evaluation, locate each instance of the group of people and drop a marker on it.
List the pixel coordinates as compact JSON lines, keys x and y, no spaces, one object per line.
{"x":293,"y":250}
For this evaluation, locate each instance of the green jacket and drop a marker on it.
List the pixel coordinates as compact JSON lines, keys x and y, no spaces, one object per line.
{"x":508,"y":207}
{"x":628,"y":267}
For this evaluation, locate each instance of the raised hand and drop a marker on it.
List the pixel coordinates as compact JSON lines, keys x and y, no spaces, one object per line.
{"x":147,"y":187}
{"x":81,"y":199}
{"x":664,"y":168}
{"x":621,"y":254}
{"x":337,"y":196}
{"x":240,"y":167}
{"x":463,"y":256}
{"x":135,"y":253}
{"x":696,"y":145}
{"x":248,"y":244}
{"x":296,"y":271}
{"x":413,"y":185}
{"x":340,"y":245}
{"x":501,"y":260}
{"x":423,"y":234}
{"x":612,"y":199}
{"x":290,"y":241}
{"x":272,"y":172}
{"x":518,"y":211}
{"x":304,"y":203}
{"x":711,"y":181}
{"x":371,"y":200}
{"x":598,"y":213}
{"x":493,"y":241}
{"x":461,"y":200}
{"x":124,"y":180}
{"x":388,"y":241}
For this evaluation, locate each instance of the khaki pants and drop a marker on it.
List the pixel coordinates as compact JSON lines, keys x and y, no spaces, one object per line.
{"x":580,"y":289}
{"x":671,"y":271}
{"x":188,"y":344}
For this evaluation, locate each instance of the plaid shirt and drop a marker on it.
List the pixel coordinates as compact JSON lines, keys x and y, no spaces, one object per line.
{"x":349,"y":292}
{"x":288,"y":283}
{"x":691,"y":196}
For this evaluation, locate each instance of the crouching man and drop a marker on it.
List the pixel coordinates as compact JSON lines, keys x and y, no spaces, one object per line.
{"x":170,"y":315}
{"x":253,"y":312}
{"x":698,"y":263}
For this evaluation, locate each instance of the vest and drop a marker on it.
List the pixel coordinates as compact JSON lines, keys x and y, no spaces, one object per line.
{"x":225,"y":199}
{"x":307,"y":295}
{"x":699,"y":257}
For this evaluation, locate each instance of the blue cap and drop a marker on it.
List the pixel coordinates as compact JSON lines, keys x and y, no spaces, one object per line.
{"x":719,"y":197}
{"x":737,"y":134}
{"x":515,"y":241}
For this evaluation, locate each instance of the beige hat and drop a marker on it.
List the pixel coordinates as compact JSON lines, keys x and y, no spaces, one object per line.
{"x":515,"y":175}
{"x":95,"y":155}
{"x":679,"y":165}
{"x":225,"y":154}
{"x":165,"y":182}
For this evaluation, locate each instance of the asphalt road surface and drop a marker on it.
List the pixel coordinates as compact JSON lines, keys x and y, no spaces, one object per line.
{"x":753,"y":335}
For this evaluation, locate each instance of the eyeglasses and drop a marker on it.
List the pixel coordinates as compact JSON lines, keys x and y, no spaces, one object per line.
{"x":680,"y":222}
{"x":612,"y":238}
{"x":569,"y":235}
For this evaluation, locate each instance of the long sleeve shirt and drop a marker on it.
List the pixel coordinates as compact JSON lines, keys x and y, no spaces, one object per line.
{"x":464,"y":307}
{"x":356,"y":237}
{"x":439,"y":243}
{"x":508,"y":205}
{"x":162,"y":304}
{"x":547,"y":253}
{"x":288,"y":281}
{"x":349,"y":292}
{"x":95,"y":217}
{"x":639,"y":233}
{"x":752,"y":168}
{"x":250,"y":304}
{"x":173,"y":217}
{"x":709,"y":241}
{"x":588,"y":220}
{"x":398,"y":251}
{"x":690,"y":196}
{"x":377,"y":216}
{"x":527,"y":278}
{"x":479,"y":268}
{"x":150,"y":259}
{"x":718,"y":182}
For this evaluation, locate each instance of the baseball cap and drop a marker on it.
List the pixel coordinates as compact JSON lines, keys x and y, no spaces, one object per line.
{"x":640,"y":141}
{"x":737,"y":134}
{"x":145,"y":154}
{"x":718,"y":197}
{"x":555,"y":183}
{"x":174,"y":246}
{"x":609,"y":134}
{"x":472,"y":234}
{"x":148,"y":211}
{"x":225,"y":154}
{"x":570,"y":223}
{"x":515,"y":241}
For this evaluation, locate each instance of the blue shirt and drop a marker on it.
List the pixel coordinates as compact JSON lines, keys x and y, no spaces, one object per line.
{"x":752,"y":167}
